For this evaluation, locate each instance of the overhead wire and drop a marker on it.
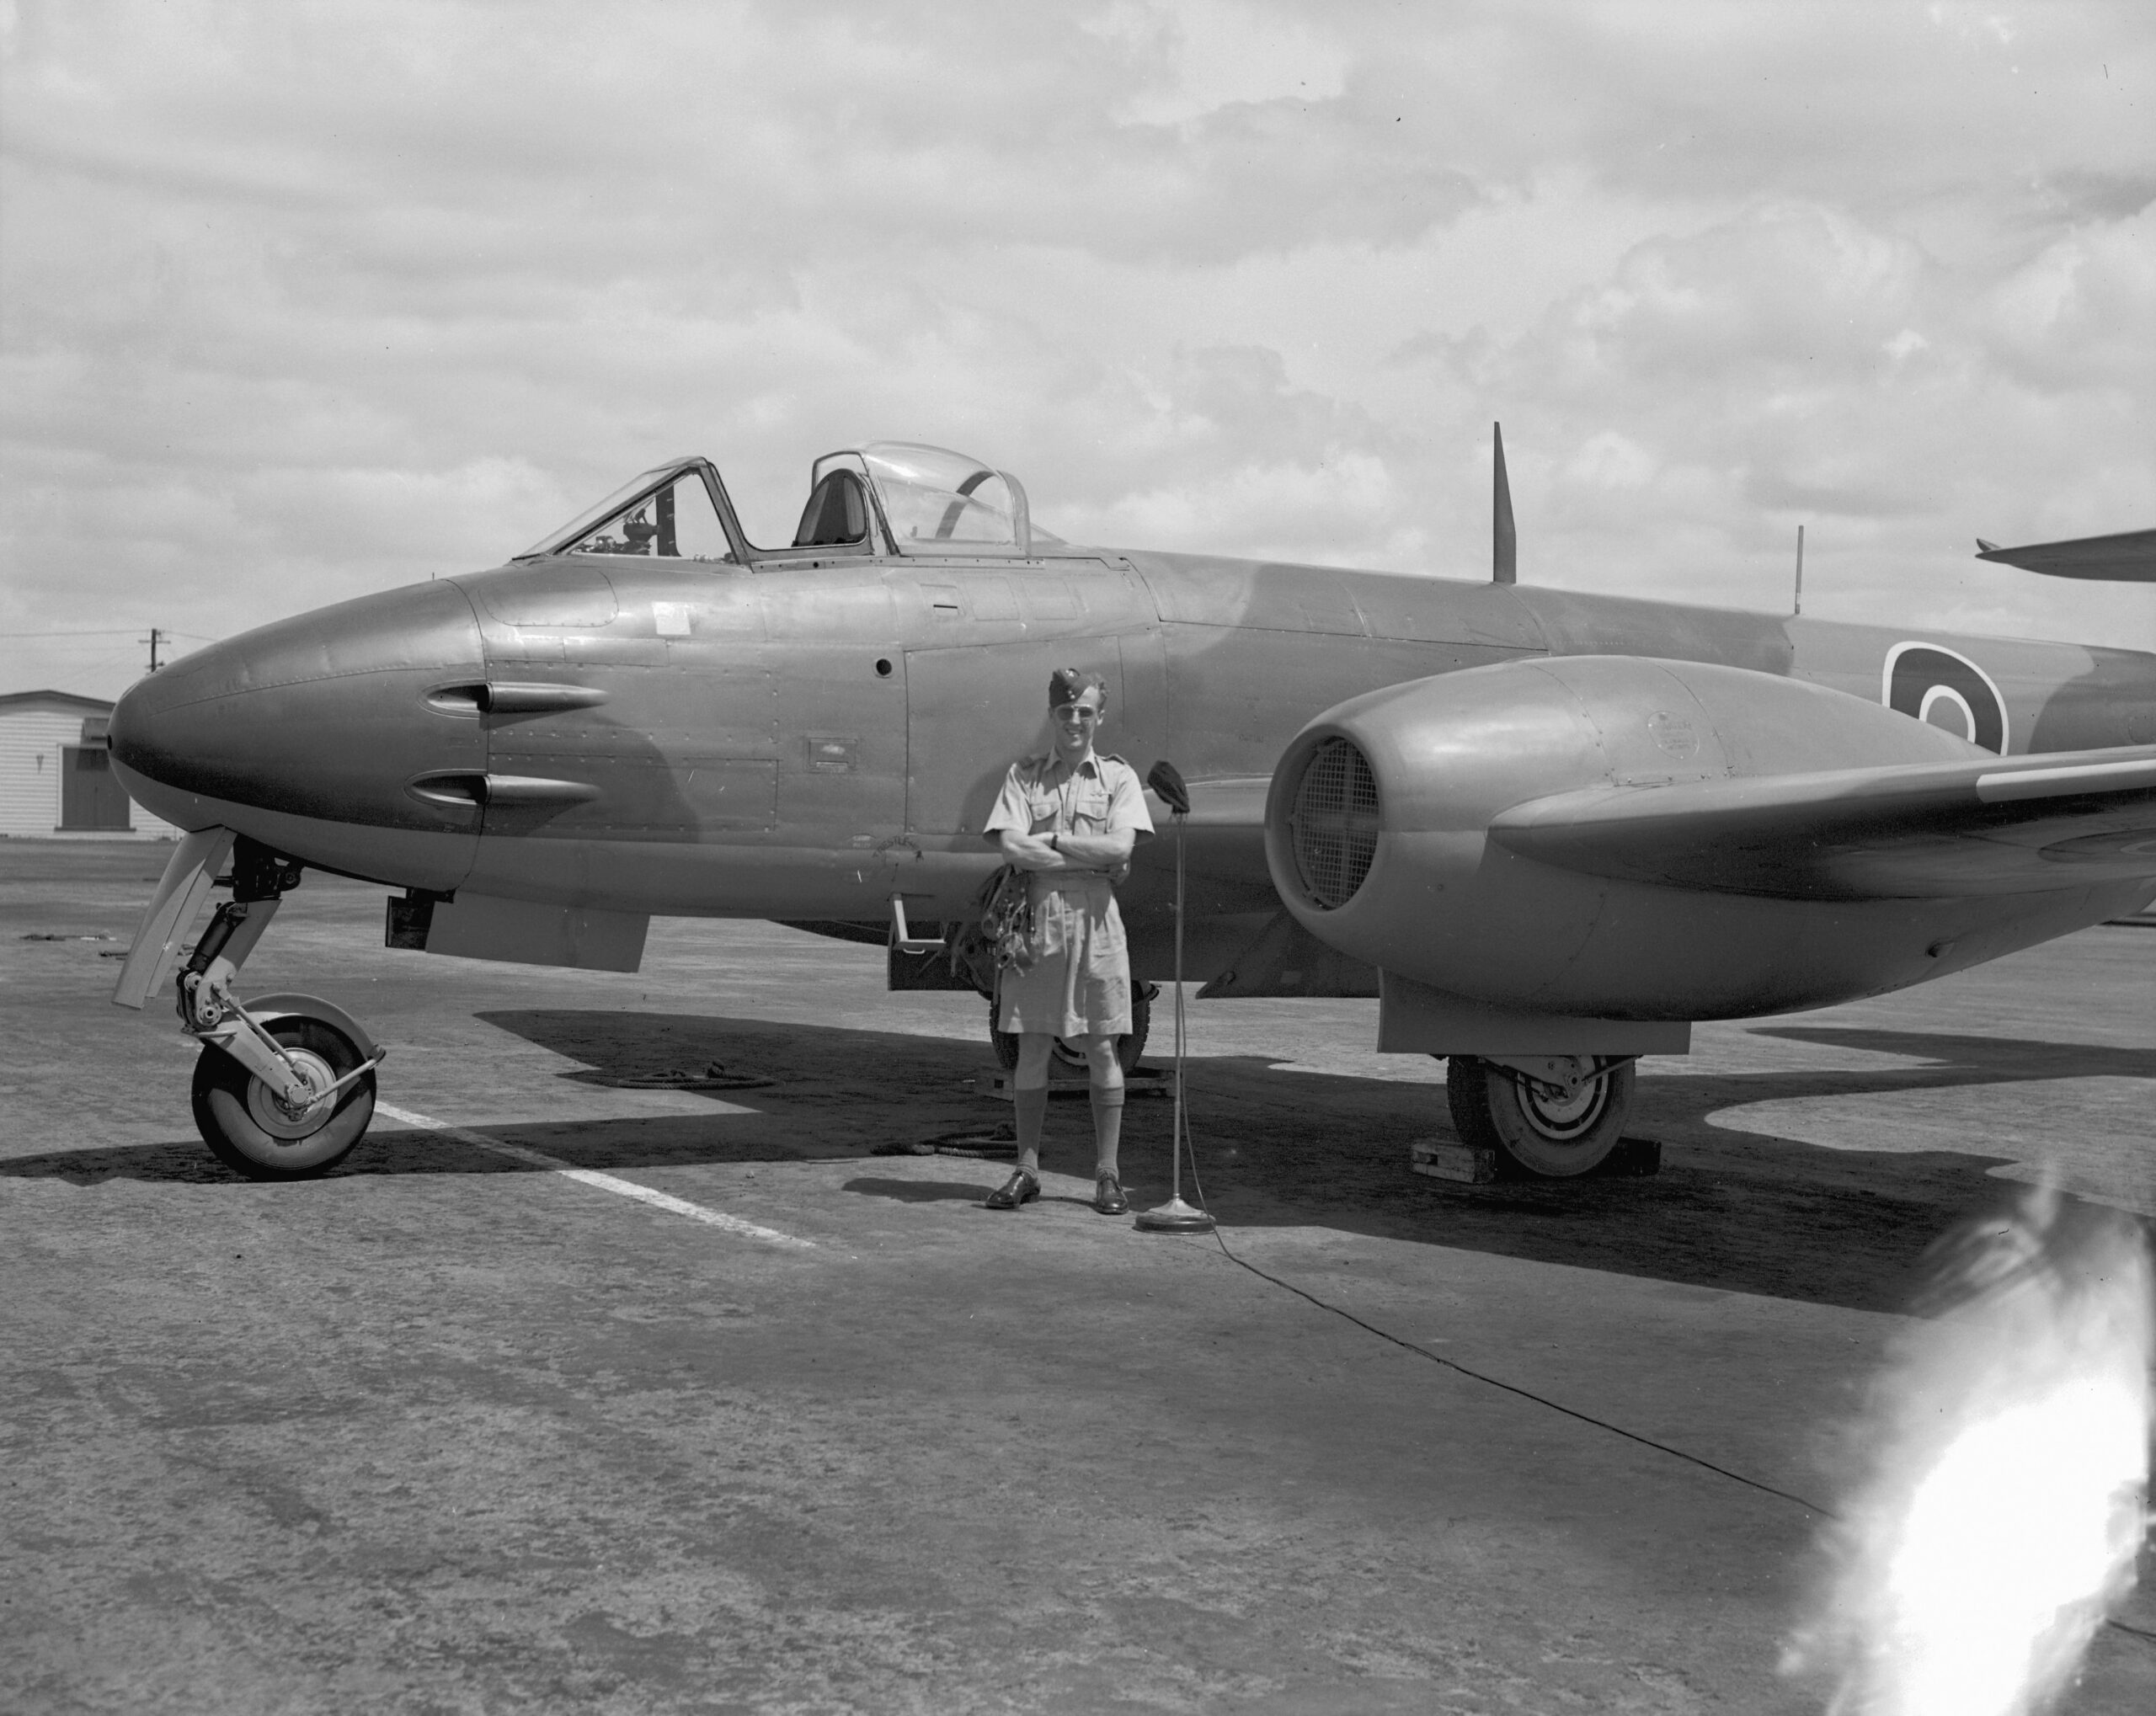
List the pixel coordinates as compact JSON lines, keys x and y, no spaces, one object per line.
{"x":113,"y":632}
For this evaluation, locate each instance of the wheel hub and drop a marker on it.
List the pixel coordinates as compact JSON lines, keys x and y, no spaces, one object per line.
{"x":281,"y":1120}
{"x":1562,"y":1114}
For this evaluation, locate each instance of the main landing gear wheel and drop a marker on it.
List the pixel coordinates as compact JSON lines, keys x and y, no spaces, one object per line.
{"x":1542,"y":1130}
{"x":1128,"y":1047}
{"x":252,"y":1131}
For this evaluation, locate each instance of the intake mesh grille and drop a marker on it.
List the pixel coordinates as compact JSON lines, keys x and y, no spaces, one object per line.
{"x":1335,"y":822}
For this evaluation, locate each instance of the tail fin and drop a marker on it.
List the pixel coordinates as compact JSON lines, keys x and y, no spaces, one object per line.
{"x":1504,"y":541}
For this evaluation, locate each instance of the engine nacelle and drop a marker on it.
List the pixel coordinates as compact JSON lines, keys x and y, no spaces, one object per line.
{"x":1377,"y":836}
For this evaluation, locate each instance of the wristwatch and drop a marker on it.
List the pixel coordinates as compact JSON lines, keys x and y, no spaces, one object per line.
{"x":1053,"y":841}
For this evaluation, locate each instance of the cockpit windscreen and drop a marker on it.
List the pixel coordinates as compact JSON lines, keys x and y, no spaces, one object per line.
{"x":666,"y":513}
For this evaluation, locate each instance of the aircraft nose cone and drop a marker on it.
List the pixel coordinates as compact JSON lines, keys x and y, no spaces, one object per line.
{"x":324,"y":716}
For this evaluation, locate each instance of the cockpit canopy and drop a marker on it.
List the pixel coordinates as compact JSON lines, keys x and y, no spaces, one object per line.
{"x":669,"y":510}
{"x":888,"y":497}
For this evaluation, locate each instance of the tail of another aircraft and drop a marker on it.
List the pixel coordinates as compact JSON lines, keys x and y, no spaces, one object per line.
{"x":2127,"y":557}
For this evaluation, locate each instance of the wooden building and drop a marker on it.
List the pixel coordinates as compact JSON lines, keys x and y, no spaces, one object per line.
{"x":56,"y":773}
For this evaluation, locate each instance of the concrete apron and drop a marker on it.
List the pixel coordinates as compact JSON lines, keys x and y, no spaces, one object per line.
{"x":559,"y":1446}
{"x":447,"y":1432}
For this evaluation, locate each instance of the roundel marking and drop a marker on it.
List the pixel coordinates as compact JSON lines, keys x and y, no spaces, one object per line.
{"x":1929,"y":683}
{"x":1945,"y":701}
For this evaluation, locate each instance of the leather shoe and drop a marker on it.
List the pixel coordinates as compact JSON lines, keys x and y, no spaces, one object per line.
{"x":1107,"y":1196}
{"x":1020,"y":1188}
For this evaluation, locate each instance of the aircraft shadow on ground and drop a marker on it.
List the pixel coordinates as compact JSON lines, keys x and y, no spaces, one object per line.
{"x":1736,"y":1210}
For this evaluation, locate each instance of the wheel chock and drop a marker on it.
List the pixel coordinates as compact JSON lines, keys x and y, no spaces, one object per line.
{"x":1447,"y":1158}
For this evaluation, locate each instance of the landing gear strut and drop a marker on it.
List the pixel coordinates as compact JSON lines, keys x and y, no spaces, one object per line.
{"x":285,"y":1085}
{"x":1548,"y":1116}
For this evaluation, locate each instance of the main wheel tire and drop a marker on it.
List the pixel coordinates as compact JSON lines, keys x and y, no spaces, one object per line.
{"x":1538,"y":1129}
{"x":1128,"y":1047}
{"x":252,"y":1132}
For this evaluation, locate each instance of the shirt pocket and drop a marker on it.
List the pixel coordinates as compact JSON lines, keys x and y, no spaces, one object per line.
{"x":1043,"y":808}
{"x":1089,"y":811}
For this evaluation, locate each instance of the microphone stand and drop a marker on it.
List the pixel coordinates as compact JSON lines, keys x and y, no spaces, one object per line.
{"x":1175,"y":1216}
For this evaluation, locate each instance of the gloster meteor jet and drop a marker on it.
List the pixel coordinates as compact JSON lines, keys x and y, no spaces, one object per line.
{"x":1549,"y":831}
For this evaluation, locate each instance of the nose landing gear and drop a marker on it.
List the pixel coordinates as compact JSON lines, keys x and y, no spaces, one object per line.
{"x":270,"y":1132}
{"x":285,"y":1085}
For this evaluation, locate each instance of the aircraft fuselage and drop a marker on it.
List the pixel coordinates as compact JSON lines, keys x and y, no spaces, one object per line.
{"x":799,"y":743}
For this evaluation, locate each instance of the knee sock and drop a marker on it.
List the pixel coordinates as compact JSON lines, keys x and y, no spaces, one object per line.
{"x":1032,"y":1106}
{"x":1108,"y":1127}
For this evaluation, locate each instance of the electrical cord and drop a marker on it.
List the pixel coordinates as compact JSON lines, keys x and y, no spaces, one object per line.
{"x":1484,"y":1377}
{"x":1513,"y":1388}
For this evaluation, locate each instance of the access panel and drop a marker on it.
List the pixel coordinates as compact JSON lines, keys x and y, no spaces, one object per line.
{"x":974,"y":711}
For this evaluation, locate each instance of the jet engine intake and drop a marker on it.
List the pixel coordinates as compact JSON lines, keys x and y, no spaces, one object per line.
{"x":1378,"y":836}
{"x":1334,"y":822}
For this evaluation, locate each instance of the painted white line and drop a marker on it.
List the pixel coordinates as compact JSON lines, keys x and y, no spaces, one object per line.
{"x":604,"y":1182}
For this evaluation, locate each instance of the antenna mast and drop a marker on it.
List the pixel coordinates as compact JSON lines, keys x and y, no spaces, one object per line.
{"x":1504,"y":542}
{"x":1799,"y":569}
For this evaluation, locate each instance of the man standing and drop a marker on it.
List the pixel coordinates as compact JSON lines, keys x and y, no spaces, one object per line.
{"x":1069,"y":820}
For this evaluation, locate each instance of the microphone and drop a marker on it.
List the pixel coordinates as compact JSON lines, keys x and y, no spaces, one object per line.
{"x":1167,"y":784}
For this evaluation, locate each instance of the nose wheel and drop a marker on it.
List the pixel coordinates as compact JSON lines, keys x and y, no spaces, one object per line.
{"x":285,"y":1085}
{"x":259,"y":1131}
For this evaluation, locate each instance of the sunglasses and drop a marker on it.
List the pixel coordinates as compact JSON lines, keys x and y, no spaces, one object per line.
{"x":1074,"y":712}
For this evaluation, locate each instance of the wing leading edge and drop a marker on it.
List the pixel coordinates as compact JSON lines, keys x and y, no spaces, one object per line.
{"x":1998,"y":826}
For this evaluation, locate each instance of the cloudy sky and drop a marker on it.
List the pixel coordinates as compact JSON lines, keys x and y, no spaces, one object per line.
{"x":302,"y":300}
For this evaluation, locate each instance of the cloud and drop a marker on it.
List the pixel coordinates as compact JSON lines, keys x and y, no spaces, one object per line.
{"x":302,"y":300}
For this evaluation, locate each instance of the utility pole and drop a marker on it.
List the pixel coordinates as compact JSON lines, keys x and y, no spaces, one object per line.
{"x":154,"y":635}
{"x":1799,"y":569}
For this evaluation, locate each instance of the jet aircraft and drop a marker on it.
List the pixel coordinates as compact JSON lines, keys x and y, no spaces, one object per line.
{"x":1548,"y":830}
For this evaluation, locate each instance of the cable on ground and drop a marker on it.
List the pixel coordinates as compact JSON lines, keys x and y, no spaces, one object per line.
{"x":1528,"y":1394}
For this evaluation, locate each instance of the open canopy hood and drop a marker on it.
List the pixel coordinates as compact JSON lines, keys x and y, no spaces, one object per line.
{"x":902,"y":497}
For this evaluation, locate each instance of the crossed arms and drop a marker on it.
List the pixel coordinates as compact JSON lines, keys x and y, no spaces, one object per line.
{"x":1107,"y":851}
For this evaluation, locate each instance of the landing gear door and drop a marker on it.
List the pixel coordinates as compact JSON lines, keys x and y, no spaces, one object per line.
{"x":160,"y":938}
{"x":973,"y":711}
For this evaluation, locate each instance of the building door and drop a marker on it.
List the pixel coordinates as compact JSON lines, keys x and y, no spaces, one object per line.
{"x":90,"y":793}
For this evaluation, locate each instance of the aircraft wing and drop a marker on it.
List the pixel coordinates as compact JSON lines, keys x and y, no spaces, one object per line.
{"x":2128,"y":557}
{"x":1994,"y":826}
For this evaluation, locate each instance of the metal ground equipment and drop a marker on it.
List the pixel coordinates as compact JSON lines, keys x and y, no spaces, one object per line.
{"x":1175,"y":1216}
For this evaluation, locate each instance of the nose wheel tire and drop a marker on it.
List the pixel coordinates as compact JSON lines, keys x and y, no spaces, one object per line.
{"x":1128,"y":1047}
{"x":252,"y":1131}
{"x":1544,"y":1130}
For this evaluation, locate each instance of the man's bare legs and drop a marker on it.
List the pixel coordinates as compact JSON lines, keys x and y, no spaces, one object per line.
{"x":1029,"y":1094}
{"x":1106,"y":1073}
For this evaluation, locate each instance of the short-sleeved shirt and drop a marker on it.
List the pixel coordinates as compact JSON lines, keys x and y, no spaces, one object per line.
{"x":1102,"y":796}
{"x":1079,"y":982}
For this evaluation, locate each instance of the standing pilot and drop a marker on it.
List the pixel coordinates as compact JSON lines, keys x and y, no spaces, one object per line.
{"x":1070,"y":819}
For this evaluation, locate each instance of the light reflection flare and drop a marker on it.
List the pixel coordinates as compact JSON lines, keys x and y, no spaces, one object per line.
{"x":2004,"y":1446}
